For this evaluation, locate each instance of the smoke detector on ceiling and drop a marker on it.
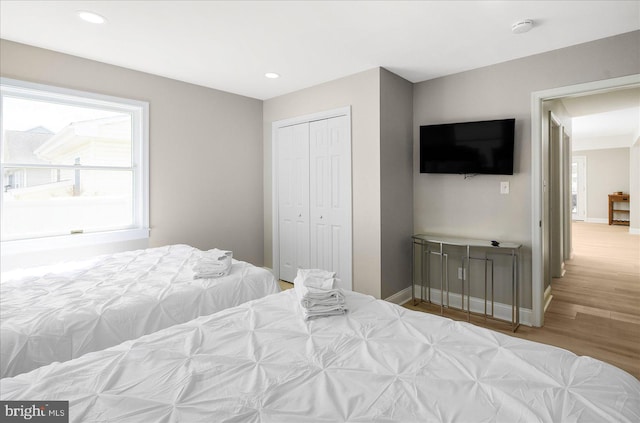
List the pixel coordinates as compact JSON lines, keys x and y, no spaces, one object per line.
{"x":522,"y":26}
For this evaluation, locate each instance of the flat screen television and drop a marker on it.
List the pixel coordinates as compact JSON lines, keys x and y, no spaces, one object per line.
{"x":484,"y":147}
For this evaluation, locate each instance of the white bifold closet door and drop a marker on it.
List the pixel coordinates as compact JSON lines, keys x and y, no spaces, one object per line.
{"x":314,"y":199}
{"x":293,"y":199}
{"x":329,"y":194}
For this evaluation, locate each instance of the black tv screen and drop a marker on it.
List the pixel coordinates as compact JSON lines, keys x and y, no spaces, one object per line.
{"x":484,"y":147}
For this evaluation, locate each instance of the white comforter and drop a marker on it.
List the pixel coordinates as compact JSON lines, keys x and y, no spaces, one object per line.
{"x":89,"y":306}
{"x":260,"y":362}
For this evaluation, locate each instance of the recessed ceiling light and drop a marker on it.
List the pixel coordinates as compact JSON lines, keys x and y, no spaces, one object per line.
{"x":90,"y":17}
{"x":271,"y":75}
{"x":522,"y":26}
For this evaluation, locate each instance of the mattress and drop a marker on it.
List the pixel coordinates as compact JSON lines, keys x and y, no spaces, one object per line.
{"x":60,"y":314}
{"x":261,"y":362}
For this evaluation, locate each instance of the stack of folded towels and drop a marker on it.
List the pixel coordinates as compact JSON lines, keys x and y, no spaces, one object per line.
{"x":317,"y":293}
{"x":213,"y":264}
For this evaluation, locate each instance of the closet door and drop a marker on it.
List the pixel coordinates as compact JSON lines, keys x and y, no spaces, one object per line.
{"x":293,"y":199}
{"x":330,"y":197}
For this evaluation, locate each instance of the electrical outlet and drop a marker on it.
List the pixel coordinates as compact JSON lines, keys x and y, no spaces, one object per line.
{"x":504,"y":187}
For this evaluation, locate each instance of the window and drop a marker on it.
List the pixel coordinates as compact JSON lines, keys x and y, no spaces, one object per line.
{"x":73,"y":164}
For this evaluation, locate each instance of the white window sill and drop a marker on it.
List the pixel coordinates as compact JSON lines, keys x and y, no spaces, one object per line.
{"x":23,"y":246}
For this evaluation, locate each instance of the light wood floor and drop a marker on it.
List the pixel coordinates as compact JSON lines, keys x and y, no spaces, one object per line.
{"x":595,"y":309}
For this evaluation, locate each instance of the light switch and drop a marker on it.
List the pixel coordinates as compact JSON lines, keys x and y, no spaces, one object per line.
{"x":504,"y":187}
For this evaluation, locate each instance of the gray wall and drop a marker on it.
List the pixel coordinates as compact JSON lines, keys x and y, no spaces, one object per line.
{"x":607,"y":172}
{"x":362,"y":92}
{"x":205,"y":150}
{"x":215,"y":138}
{"x":396,"y":181}
{"x":449,"y":204}
{"x":381,"y":110}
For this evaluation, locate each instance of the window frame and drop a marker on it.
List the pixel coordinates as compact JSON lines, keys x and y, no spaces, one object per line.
{"x":139,"y":111}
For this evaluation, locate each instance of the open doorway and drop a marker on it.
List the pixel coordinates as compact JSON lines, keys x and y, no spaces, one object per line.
{"x":590,"y":140}
{"x":541,"y":179}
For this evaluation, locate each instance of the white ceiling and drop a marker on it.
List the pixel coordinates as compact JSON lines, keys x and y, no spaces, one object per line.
{"x":229,"y":45}
{"x":604,"y":120}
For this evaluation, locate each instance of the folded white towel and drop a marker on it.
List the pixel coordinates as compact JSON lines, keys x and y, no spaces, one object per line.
{"x":313,"y":278}
{"x":319,"y":273}
{"x":313,"y":314}
{"x":315,"y":298}
{"x":213,"y":264}
{"x":317,"y":293}
{"x":316,"y":278}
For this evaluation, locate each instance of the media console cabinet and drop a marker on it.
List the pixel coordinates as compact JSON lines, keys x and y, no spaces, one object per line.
{"x":429,"y":245}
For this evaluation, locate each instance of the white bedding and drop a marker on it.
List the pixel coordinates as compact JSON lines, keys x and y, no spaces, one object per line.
{"x":260,"y":362}
{"x":92,"y":305}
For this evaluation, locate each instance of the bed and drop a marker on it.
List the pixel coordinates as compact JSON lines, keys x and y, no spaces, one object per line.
{"x":62,"y":312}
{"x":261,"y":362}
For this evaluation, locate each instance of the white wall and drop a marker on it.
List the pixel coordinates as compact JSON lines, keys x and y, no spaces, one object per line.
{"x":205,"y":153}
{"x":449,"y":204}
{"x":607,"y":172}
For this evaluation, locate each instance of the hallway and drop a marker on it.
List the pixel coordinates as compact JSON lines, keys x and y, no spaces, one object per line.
{"x":596,"y":306}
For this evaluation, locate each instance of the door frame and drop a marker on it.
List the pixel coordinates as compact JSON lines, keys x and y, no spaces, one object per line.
{"x":537,"y":213}
{"x":555,"y":187}
{"x":566,"y":196}
{"x":327,"y":114}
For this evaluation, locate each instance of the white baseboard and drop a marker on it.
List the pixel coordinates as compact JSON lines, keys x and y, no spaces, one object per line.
{"x":634,"y":231}
{"x":400,"y":297}
{"x":596,"y":220}
{"x":501,"y":311}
